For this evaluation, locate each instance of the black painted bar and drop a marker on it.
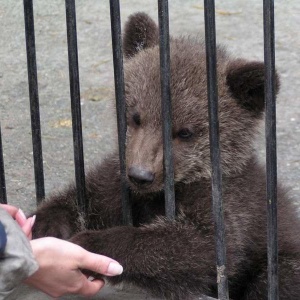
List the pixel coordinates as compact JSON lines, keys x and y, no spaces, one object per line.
{"x":3,"y":198}
{"x":271,"y":156}
{"x":34,"y":101}
{"x":82,"y":201}
{"x":164,"y":47}
{"x":212,"y":93}
{"x":120,"y":104}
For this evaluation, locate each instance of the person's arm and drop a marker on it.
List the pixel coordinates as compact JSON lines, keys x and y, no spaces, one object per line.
{"x":3,"y":240}
{"x":60,"y":265}
{"x":17,"y":261}
{"x":18,"y":215}
{"x":55,"y":265}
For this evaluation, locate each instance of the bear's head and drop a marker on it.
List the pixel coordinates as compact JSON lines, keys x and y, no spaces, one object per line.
{"x":241,"y":106}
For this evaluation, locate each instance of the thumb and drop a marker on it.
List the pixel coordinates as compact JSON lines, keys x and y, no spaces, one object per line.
{"x":100,"y":264}
{"x":90,"y":288}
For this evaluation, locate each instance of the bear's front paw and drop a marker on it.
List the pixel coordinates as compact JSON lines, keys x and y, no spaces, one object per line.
{"x":59,"y":222}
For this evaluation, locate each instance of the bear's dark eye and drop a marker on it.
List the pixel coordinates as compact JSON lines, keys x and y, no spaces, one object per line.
{"x":136,"y":119}
{"x":184,"y":133}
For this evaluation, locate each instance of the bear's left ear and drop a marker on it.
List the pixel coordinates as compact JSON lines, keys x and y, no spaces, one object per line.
{"x":246,"y":82}
{"x":140,"y":32}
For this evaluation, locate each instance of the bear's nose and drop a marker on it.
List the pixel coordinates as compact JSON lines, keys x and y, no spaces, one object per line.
{"x":140,"y":176}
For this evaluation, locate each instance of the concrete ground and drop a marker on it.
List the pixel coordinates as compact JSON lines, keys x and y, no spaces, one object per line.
{"x":239,"y":27}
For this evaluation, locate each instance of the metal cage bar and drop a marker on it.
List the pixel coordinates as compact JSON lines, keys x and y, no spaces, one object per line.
{"x":3,"y":198}
{"x":212,"y":94}
{"x":82,"y":201}
{"x":166,"y":106}
{"x":34,"y":101}
{"x":120,"y":104}
{"x":271,"y":156}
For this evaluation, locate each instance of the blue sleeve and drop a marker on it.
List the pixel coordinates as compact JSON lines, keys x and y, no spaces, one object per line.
{"x":3,"y":239}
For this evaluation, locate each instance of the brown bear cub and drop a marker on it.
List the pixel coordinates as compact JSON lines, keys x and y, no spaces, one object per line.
{"x":176,"y":259}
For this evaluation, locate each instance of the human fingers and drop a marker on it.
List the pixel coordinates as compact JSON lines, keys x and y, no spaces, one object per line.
{"x":16,"y":213}
{"x":90,"y":288}
{"x":20,"y":217}
{"x":99,"y":264}
{"x":27,"y":227}
{"x":12,"y":210}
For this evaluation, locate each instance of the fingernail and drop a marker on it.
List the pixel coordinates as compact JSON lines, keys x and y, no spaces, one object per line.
{"x":33,"y":220}
{"x":114,"y":269}
{"x":20,"y":211}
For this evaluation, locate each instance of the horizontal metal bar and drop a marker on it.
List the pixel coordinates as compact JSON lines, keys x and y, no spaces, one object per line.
{"x":166,"y":106}
{"x":75,"y":105}
{"x":212,"y":93}
{"x":34,"y":101}
{"x":271,"y":156}
{"x":120,"y":104}
{"x":3,"y":198}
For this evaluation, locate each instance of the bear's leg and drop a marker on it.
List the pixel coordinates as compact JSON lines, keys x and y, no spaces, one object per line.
{"x":168,"y":258}
{"x":59,"y":216}
{"x":289,"y":279}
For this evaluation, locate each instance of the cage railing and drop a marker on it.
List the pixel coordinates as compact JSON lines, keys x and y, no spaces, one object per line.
{"x":212,"y":92}
{"x":120,"y":104}
{"x":82,"y":200}
{"x":3,"y":196}
{"x":166,"y":107}
{"x":212,"y":95}
{"x":34,"y":101}
{"x":271,"y":155}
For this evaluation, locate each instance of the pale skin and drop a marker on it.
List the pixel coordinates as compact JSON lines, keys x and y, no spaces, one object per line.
{"x":60,"y":263}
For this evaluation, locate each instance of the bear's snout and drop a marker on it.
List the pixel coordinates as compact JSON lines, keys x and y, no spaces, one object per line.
{"x":140,"y":176}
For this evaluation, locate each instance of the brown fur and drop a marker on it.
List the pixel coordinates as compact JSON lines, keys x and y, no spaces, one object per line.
{"x":176,"y":259}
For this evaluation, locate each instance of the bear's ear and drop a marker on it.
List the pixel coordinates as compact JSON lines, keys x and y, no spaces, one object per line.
{"x":140,"y":33}
{"x":246,"y":82}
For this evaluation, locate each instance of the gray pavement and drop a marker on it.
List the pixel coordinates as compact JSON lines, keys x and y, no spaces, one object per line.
{"x":239,"y":28}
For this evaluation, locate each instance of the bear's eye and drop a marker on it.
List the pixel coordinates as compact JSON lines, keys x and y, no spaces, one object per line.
{"x":136,"y":119}
{"x":184,"y":133}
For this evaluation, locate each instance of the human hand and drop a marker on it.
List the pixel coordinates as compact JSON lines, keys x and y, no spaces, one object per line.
{"x":60,"y":263}
{"x":19,"y":216}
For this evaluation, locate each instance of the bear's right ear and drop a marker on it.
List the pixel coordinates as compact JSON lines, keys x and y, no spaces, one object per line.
{"x":140,"y":33}
{"x":246,"y":82}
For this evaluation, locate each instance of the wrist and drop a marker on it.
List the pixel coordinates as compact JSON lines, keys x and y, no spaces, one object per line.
{"x":40,"y":249}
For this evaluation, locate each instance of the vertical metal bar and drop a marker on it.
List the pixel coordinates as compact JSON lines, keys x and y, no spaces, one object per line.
{"x":75,"y":105}
{"x":120,"y":104}
{"x":3,"y":198}
{"x":34,"y":101}
{"x":212,"y":93}
{"x":164,"y":43}
{"x":271,"y":157}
